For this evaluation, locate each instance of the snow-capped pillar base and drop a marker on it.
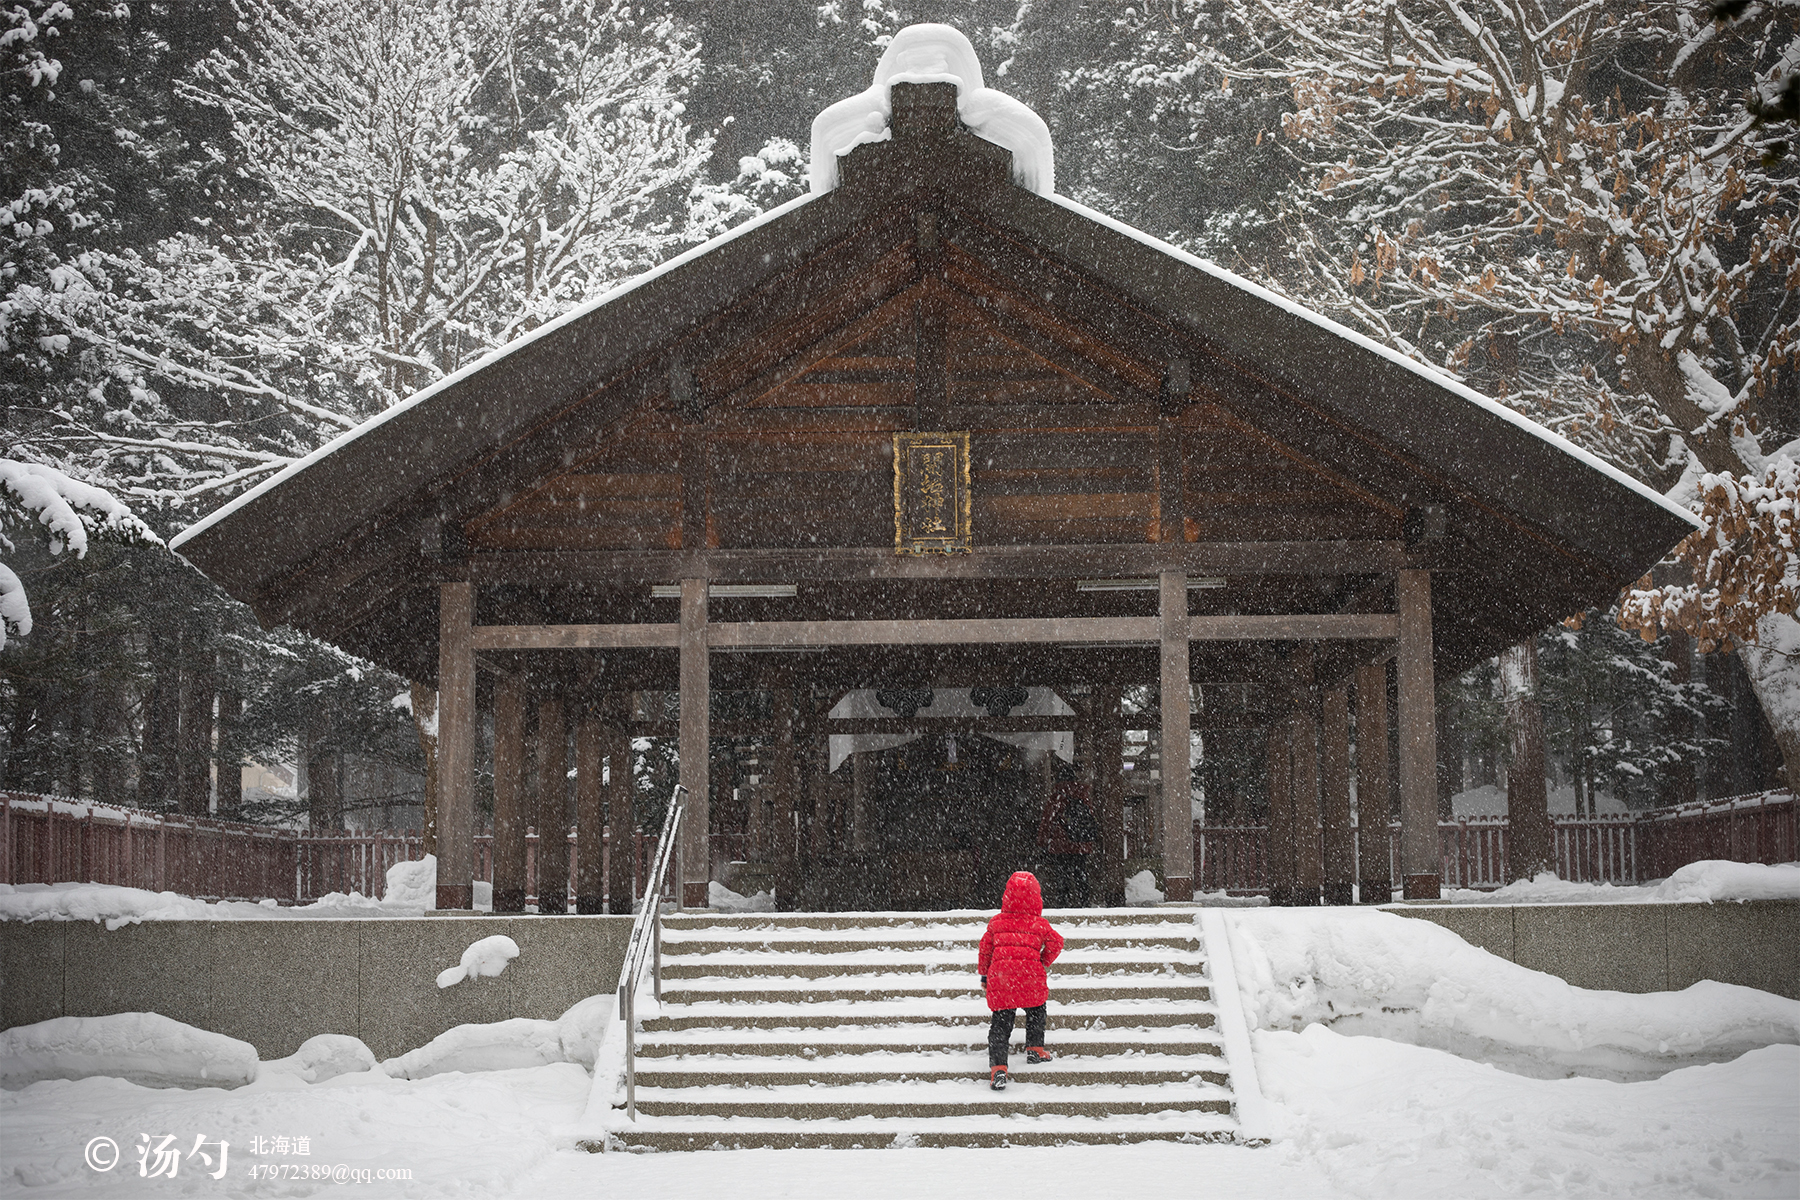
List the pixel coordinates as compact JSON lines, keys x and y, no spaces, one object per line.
{"x":1420,"y":863}
{"x":695,"y":745}
{"x":456,"y":745}
{"x":1374,"y":788}
{"x":1178,"y":819}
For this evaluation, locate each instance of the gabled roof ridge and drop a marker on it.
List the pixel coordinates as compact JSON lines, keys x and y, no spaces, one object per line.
{"x":491,"y":357}
{"x":1424,"y":370}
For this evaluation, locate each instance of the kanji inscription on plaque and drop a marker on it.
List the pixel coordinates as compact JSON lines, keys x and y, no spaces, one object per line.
{"x":931,"y":493}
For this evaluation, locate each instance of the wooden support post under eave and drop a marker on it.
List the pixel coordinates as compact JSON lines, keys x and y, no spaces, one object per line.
{"x":1281,"y":812}
{"x":1178,"y":820}
{"x":1530,"y":837}
{"x":1334,"y":796}
{"x":509,"y":795}
{"x":456,"y":746}
{"x":1309,"y":875}
{"x":552,"y":815}
{"x":1109,"y":793}
{"x":696,"y":745}
{"x":590,"y":813}
{"x":621,"y":791}
{"x":1420,"y":863}
{"x":783,"y":838}
{"x":1374,"y":785}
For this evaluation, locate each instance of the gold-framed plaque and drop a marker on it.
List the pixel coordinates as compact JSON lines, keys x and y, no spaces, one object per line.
{"x":931,"y":493}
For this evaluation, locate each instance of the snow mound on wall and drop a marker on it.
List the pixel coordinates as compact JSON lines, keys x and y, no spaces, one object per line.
{"x":1141,"y":889}
{"x":1705,"y":881}
{"x":1409,"y":980}
{"x":720,"y":898}
{"x":488,"y":956}
{"x":117,"y":906}
{"x":1717,"y":880}
{"x":412,"y":884}
{"x":931,"y":53}
{"x":324,"y":1057}
{"x":145,"y":1048}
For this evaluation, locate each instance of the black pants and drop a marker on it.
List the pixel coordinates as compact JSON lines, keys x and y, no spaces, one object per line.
{"x":1001,"y":1027}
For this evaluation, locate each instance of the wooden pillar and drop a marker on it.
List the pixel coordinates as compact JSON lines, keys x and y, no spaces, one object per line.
{"x":1178,"y":820}
{"x":862,"y":840}
{"x":1109,"y":793}
{"x":696,"y":746}
{"x":1334,"y":796}
{"x":621,"y":795}
{"x":456,"y":746}
{"x":552,"y":816}
{"x":590,"y":812}
{"x":1374,"y":786}
{"x":783,"y":839}
{"x":1309,"y":874}
{"x":509,"y":795}
{"x":1281,"y":812}
{"x":1530,"y":836}
{"x":1420,"y":863}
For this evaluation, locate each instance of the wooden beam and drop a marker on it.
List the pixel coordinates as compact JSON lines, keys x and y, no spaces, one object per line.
{"x":696,"y":701}
{"x":456,"y":746}
{"x":577,"y":637}
{"x":1177,"y":773}
{"x":1419,"y":863}
{"x":977,"y":631}
{"x":1295,"y":627}
{"x":841,"y":563}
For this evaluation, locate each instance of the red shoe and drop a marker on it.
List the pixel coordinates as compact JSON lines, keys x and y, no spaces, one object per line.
{"x":997,"y":1079}
{"x":1037,"y":1054}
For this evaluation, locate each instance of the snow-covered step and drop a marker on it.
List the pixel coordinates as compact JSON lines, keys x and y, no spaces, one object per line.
{"x":1070,"y":1069}
{"x":968,"y":1096}
{"x":869,"y":987}
{"x":1143,"y":1012}
{"x":1116,"y":1043}
{"x":807,"y":964}
{"x":745,"y":1133}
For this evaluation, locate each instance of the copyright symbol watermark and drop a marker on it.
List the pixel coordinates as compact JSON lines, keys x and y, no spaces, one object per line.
{"x":102,"y":1154}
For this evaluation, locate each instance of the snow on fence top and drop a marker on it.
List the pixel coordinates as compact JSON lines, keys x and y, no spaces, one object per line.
{"x":934,"y":54}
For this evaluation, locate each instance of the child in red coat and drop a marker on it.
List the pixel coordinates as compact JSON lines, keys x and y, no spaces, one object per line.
{"x":1016,"y":948}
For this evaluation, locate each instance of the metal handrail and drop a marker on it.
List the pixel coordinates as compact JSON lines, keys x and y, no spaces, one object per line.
{"x":646,"y":942}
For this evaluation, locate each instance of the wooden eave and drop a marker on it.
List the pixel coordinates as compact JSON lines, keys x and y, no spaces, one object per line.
{"x":1534,"y":532}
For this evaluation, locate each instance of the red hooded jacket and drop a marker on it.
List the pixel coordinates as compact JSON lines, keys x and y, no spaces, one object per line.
{"x":1017,"y":946}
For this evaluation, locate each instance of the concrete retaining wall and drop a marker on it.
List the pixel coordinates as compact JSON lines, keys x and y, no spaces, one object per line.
{"x":276,"y":983}
{"x":1637,"y":947}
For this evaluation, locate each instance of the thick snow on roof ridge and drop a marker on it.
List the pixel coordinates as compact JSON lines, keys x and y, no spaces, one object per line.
{"x":1423,"y":370}
{"x":934,"y":53}
{"x":486,"y":360}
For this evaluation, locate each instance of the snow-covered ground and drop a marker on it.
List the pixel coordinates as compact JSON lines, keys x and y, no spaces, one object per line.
{"x":1375,"y":1042}
{"x":1701,"y":882}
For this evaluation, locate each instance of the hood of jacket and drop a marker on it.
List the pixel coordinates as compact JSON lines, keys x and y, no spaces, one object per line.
{"x":1023,"y":898}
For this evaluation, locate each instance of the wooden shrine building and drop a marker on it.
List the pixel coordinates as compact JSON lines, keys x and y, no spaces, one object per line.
{"x":932,"y":443}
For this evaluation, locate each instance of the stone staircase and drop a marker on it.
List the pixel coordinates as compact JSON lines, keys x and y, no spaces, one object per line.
{"x":866,"y":1030}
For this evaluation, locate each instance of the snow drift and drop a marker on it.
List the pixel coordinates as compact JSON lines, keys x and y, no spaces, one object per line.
{"x":488,"y":956}
{"x":1395,"y":977}
{"x":145,"y":1048}
{"x":323,"y":1057}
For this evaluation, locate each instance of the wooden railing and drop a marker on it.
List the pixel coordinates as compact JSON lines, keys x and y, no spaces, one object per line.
{"x":1472,"y":853}
{"x":46,"y":839}
{"x":52,"y":840}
